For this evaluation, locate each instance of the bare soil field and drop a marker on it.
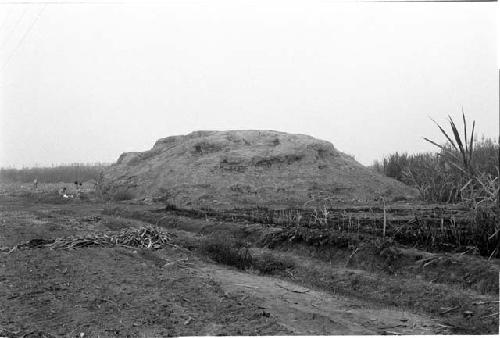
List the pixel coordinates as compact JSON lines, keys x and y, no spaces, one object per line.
{"x":222,"y":276}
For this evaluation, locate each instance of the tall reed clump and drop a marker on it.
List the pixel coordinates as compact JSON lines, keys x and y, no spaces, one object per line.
{"x":476,"y":188}
{"x":472,"y":184}
{"x":465,"y":170}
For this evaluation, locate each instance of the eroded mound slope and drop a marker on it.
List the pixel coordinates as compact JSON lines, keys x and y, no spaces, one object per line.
{"x":224,"y":169}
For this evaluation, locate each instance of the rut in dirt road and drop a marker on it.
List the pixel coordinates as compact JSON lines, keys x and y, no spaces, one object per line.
{"x":309,"y":312}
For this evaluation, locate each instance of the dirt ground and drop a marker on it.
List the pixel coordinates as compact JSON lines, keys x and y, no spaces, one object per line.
{"x":135,"y":292}
{"x":310,"y":312}
{"x":109,"y":292}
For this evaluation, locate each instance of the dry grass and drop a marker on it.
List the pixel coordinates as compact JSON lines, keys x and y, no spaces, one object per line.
{"x":228,"y":251}
{"x":269,"y":263}
{"x":122,"y":195}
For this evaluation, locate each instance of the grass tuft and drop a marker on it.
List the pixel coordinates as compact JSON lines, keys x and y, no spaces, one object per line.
{"x":228,"y":251}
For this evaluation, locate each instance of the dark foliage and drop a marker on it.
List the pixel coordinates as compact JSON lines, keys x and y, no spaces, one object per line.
{"x":270,"y":263}
{"x":227,"y":251}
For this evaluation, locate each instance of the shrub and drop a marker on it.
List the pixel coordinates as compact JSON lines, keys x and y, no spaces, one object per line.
{"x":269,"y":263}
{"x":123,"y":195}
{"x":227,"y":251}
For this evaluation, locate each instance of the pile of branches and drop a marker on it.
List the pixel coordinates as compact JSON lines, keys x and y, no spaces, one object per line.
{"x":150,"y":237}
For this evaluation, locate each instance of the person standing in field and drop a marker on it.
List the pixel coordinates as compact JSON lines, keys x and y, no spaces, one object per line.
{"x":35,"y":184}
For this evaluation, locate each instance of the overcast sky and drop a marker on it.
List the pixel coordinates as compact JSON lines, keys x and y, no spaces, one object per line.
{"x":84,"y":83}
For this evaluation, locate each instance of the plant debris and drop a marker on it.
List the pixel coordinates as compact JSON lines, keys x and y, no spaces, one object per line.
{"x":446,"y":310}
{"x":150,"y":237}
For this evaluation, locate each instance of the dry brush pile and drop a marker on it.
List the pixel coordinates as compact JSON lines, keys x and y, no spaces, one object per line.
{"x":150,"y":237}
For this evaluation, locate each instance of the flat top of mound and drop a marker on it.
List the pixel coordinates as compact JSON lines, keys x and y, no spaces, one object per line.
{"x":247,"y":167}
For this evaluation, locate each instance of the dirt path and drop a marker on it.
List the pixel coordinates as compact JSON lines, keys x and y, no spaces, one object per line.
{"x":309,"y":312}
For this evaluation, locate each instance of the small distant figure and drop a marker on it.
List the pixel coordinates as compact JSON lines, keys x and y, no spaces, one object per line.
{"x":35,"y":184}
{"x":62,"y":191}
{"x":78,"y":189}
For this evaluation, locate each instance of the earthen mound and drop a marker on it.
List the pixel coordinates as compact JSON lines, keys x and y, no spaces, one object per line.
{"x":247,"y":168}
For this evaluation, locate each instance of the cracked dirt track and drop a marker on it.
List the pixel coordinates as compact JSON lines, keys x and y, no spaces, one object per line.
{"x":309,"y":312}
